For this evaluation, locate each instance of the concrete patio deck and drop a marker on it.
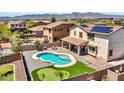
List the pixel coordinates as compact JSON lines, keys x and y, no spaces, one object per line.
{"x":33,"y":64}
{"x":96,"y":63}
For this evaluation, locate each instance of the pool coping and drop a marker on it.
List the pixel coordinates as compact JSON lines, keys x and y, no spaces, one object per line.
{"x":73,"y":60}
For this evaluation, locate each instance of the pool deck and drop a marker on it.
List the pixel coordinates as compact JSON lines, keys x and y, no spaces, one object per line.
{"x":37,"y":63}
{"x":89,"y":60}
{"x":33,"y":64}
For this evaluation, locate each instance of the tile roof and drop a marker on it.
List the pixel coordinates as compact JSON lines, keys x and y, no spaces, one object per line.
{"x":54,"y":24}
{"x":16,"y":22}
{"x":36,"y":28}
{"x":74,"y":41}
{"x":6,"y":45}
{"x":89,"y":29}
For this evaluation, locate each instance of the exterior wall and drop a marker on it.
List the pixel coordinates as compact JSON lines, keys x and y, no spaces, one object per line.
{"x":102,"y":43}
{"x":37,"y":33}
{"x":49,"y":34}
{"x":112,"y":75}
{"x":117,"y":44}
{"x":78,"y":30}
{"x":58,"y":33}
{"x":17,"y":26}
{"x":10,"y":58}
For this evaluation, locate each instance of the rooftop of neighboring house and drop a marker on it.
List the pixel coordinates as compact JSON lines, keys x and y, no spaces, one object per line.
{"x":36,"y":28}
{"x":16,"y":22}
{"x":55,"y":24}
{"x":1,"y":23}
{"x":102,"y":29}
{"x":44,"y":21}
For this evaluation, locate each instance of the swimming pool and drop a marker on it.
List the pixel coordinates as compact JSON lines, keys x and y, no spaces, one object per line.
{"x":58,"y":59}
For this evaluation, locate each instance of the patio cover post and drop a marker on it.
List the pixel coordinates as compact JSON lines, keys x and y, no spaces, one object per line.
{"x":69,"y":47}
{"x":78,"y":50}
{"x":62,"y":43}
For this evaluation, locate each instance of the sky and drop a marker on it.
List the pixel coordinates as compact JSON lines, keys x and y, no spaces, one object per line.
{"x":12,"y":14}
{"x":20,"y":7}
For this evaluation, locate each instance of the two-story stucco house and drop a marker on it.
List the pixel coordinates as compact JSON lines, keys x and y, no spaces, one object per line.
{"x":101,"y":41}
{"x":17,"y":25}
{"x":57,"y":30}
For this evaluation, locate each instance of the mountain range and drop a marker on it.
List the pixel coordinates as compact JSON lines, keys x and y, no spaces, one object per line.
{"x":64,"y":16}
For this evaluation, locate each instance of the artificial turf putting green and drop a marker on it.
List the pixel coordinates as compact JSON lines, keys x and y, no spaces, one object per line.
{"x":77,"y":69}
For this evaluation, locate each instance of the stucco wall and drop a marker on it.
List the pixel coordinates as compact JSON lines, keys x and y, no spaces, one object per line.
{"x":103,"y":44}
{"x":117,"y":44}
{"x":77,"y":29}
{"x":48,"y":33}
{"x":99,"y":40}
{"x":60,"y":34}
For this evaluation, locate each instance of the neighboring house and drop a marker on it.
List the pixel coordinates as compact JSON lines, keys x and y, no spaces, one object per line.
{"x":36,"y":31}
{"x":57,"y":30}
{"x":101,"y":41}
{"x":42,"y":22}
{"x":17,"y":25}
{"x":2,"y":23}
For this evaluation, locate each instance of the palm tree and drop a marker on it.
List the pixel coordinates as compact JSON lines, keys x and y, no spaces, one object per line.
{"x":37,"y":43}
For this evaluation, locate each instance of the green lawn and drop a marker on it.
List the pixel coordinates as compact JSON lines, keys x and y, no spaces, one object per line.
{"x":75,"y":70}
{"x":7,"y":73}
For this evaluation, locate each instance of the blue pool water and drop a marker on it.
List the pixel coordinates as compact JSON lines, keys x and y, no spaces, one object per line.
{"x":59,"y":59}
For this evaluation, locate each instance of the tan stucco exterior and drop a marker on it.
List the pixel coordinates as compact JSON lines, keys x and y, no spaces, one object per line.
{"x":117,"y":44}
{"x":104,"y":43}
{"x":57,"y":32}
{"x":78,"y":30}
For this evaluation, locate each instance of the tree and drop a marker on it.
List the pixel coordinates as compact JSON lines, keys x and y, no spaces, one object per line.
{"x":37,"y":43}
{"x":15,"y":43}
{"x":30,"y":24}
{"x":4,"y":32}
{"x":53,"y":19}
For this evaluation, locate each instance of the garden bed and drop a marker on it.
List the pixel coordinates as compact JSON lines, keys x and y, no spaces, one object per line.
{"x":7,"y":73}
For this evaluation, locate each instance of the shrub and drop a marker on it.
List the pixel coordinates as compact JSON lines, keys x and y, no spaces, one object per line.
{"x":104,"y":78}
{"x":6,"y":69}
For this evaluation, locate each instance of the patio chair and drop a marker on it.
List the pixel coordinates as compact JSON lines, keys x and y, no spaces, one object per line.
{"x":56,"y":47}
{"x":44,"y":48}
{"x":53,"y":47}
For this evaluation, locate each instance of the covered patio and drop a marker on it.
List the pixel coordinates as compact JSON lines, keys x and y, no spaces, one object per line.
{"x":74,"y":44}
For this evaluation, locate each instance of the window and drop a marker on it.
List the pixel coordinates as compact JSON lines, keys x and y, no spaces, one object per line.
{"x":49,"y":30}
{"x":56,"y":38}
{"x":110,"y":52}
{"x":61,"y":29}
{"x":80,"y":34}
{"x":91,"y":36}
{"x":54,"y":29}
{"x":74,"y":33}
{"x":12,"y":25}
{"x":92,"y":49}
{"x":68,"y":30}
{"x":20,"y":25}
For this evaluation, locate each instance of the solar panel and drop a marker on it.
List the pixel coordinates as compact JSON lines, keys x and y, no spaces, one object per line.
{"x":84,"y":25}
{"x":102,"y":28}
